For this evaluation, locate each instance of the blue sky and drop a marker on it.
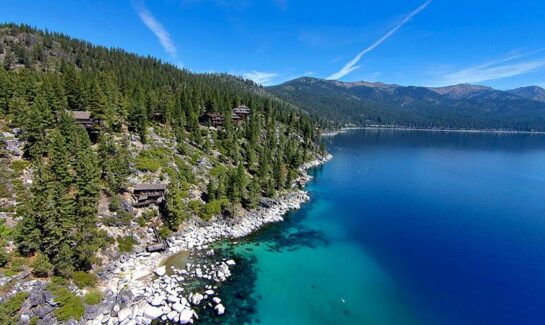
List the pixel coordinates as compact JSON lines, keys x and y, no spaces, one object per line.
{"x":409,"y":42}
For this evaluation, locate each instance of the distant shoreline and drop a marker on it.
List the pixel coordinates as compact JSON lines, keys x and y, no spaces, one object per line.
{"x":343,"y":130}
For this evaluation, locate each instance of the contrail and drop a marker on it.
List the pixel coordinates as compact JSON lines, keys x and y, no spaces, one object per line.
{"x":156,"y":27}
{"x":351,"y":65}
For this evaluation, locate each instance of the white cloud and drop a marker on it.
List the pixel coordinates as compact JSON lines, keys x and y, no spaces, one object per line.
{"x":480,"y":73}
{"x":494,"y":70}
{"x":351,"y":65}
{"x":263,"y":78}
{"x":157,"y":28}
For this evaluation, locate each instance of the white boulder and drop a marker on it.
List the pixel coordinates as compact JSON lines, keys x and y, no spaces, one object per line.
{"x":157,"y":301}
{"x":123,"y":314}
{"x":152,"y":312}
{"x":219,"y":309}
{"x":186,"y":316}
{"x":178,"y":307}
{"x":160,"y":271}
{"x":196,"y":299}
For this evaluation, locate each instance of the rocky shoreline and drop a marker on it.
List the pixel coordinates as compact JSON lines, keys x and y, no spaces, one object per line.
{"x":134,"y":296}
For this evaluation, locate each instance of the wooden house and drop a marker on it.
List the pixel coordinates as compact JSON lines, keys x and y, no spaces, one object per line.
{"x":146,"y":194}
{"x":84,"y":118}
{"x":213,"y":119}
{"x":243,"y":111}
{"x":237,"y":119}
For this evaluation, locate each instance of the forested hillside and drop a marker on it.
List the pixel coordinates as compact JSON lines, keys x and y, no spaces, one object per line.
{"x":459,"y":106}
{"x":65,"y":189}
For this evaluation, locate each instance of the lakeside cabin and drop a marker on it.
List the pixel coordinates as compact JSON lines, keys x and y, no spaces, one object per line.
{"x":237,"y":120}
{"x":147,"y":194}
{"x":92,"y":125}
{"x":84,"y":118}
{"x":213,"y":119}
{"x":243,"y":111}
{"x":239,"y":115}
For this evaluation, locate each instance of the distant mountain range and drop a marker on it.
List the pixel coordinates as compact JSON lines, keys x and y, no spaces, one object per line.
{"x":461,"y":106}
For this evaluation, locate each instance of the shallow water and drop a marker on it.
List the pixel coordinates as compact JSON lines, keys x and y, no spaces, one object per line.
{"x":404,"y":227}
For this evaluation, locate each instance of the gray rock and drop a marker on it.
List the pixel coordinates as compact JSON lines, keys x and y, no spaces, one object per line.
{"x":50,"y":299}
{"x":42,"y":310}
{"x":92,"y":312}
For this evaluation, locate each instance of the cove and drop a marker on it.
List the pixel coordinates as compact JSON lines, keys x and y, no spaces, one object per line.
{"x":403,"y":227}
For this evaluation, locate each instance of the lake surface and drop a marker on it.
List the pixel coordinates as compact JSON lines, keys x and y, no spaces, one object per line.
{"x":404,"y":227}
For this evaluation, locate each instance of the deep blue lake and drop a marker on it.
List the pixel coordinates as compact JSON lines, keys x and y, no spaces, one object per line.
{"x":405,"y":227}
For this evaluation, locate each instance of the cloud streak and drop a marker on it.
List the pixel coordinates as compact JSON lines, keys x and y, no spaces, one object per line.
{"x":263,"y":78}
{"x":492,"y":71}
{"x":351,"y":65}
{"x":157,"y":28}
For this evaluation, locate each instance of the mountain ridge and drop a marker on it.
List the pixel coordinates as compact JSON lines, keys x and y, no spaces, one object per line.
{"x":460,"y":106}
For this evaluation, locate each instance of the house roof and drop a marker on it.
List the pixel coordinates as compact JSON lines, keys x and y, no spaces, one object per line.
{"x":213,"y":115}
{"x":81,"y":115}
{"x":243,"y":109}
{"x":150,"y":187}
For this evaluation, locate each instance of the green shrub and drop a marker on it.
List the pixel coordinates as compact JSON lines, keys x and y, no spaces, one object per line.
{"x":11,"y":307}
{"x":17,"y":264}
{"x":182,"y":149}
{"x":58,"y":281}
{"x":4,"y":257}
{"x":9,"y":272}
{"x":84,"y":279}
{"x":34,"y":320}
{"x":70,"y":305}
{"x":93,"y":297}
{"x":152,"y":159}
{"x":126,"y":243}
{"x":146,"y":164}
{"x":195,"y":206}
{"x":19,"y":165}
{"x":41,"y":266}
{"x":146,"y":217}
{"x":213,"y":208}
{"x":5,"y":231}
{"x":115,"y":203}
{"x":164,"y":232}
{"x":4,"y":191}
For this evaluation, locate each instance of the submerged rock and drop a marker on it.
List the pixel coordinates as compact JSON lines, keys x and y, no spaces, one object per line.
{"x":220,"y":309}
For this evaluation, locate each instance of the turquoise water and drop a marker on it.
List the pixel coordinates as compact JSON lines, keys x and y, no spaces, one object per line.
{"x":404,"y":227}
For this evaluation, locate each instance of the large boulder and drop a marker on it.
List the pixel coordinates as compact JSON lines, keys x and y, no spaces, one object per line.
{"x":178,"y":307}
{"x":186,"y":316}
{"x":124,"y":314}
{"x":152,"y":312}
{"x":157,"y":301}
